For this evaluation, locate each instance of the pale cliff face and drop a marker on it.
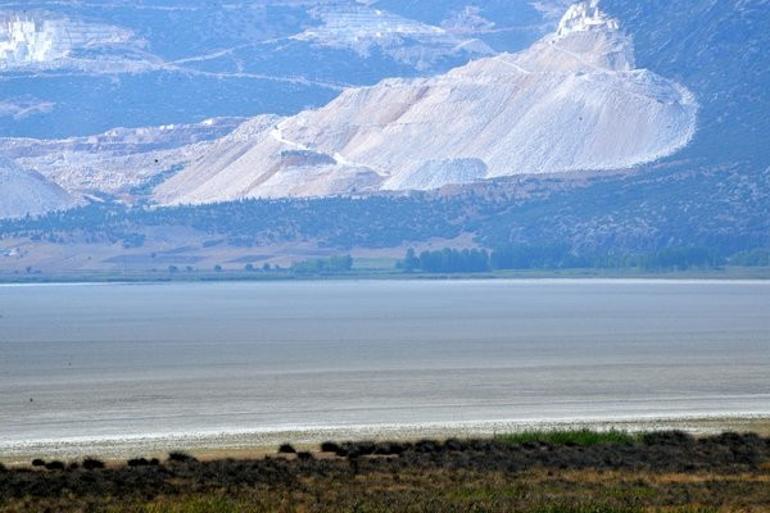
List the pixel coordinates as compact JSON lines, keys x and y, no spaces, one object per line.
{"x":26,"y":42}
{"x":44,"y":41}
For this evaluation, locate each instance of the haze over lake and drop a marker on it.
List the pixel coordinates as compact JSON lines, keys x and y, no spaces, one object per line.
{"x":83,"y":363}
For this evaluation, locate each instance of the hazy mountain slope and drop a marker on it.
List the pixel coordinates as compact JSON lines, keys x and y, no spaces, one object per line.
{"x":574,"y":101}
{"x":69,"y":70}
{"x":23,"y":192}
{"x":118,"y":161}
{"x":719,"y":209}
{"x":156,"y":62}
{"x":719,"y":50}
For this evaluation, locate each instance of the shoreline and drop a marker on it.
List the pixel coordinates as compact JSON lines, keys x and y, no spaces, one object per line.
{"x":373,"y":272}
{"x":729,"y":274}
{"x":257,"y":443}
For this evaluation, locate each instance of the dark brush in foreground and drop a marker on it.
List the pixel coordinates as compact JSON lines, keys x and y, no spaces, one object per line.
{"x":654,"y":470}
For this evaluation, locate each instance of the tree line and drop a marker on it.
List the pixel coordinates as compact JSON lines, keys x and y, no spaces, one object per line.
{"x":335,"y":264}
{"x":557,"y":256}
{"x":446,"y":261}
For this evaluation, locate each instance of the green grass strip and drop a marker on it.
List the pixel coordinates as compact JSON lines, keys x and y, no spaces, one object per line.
{"x":581,"y":438}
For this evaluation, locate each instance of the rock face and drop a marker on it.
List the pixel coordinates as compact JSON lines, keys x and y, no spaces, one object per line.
{"x":23,"y":192}
{"x":573,"y":101}
{"x":38,"y":41}
{"x":366,"y":30}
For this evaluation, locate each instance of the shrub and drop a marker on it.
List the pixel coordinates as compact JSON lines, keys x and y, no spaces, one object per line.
{"x":180,"y":457}
{"x":330,"y":447}
{"x":286,"y":449}
{"x":92,"y":464}
{"x":667,"y":438}
{"x":389,"y":449}
{"x":426,"y":446}
{"x":37,"y":462}
{"x":55,"y":465}
{"x":454,"y":445}
{"x":359,"y":449}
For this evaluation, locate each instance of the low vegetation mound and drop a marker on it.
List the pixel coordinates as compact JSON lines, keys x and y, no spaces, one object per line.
{"x":554,"y":471}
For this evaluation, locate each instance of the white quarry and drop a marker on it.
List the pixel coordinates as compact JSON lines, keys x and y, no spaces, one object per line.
{"x":574,"y":101}
{"x":119,"y":160}
{"x":363,"y":29}
{"x":26,"y":42}
{"x":38,"y":40}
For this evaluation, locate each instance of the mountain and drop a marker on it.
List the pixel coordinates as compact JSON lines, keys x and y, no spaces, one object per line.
{"x":711,"y":195}
{"x":27,"y":193}
{"x":160,"y":62}
{"x":572,"y":102}
{"x":72,"y":72}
